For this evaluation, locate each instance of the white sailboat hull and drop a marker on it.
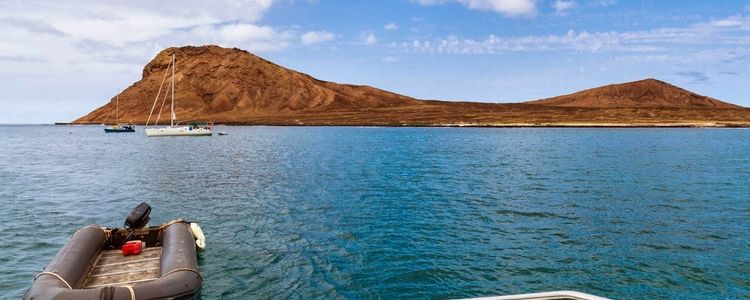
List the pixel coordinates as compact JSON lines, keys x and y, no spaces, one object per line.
{"x":177,"y":131}
{"x":172,"y":130}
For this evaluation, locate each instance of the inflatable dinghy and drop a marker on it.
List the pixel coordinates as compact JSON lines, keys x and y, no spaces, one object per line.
{"x":134,"y":262}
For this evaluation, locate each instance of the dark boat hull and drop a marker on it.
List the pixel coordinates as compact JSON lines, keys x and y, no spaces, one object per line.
{"x":111,"y":130}
{"x":66,"y":276}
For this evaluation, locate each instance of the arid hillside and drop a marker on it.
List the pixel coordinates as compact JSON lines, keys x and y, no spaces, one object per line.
{"x":212,"y":81}
{"x":642,"y":93}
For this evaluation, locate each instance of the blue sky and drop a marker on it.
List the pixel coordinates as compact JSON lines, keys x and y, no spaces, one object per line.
{"x":60,"y":60}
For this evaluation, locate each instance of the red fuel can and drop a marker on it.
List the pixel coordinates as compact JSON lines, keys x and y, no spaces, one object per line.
{"x":132,"y":248}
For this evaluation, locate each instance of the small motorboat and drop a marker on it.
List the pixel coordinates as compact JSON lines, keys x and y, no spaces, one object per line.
{"x":222,"y":133}
{"x":119,"y":128}
{"x":134,"y":262}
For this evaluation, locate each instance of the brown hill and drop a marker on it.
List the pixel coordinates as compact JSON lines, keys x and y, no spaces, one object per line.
{"x":233,"y":86}
{"x":213,"y":81}
{"x":642,"y":93}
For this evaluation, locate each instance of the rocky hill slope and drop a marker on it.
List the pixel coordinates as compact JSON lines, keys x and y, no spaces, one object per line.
{"x":211,"y":80}
{"x":233,"y":86}
{"x":642,"y":93}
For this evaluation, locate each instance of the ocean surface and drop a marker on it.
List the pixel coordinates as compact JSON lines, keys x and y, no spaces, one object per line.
{"x":401,"y":213}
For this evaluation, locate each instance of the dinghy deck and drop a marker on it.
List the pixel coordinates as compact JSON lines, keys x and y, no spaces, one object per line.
{"x":112,"y":268}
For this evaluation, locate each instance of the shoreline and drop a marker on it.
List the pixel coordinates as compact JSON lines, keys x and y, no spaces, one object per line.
{"x":478,"y":125}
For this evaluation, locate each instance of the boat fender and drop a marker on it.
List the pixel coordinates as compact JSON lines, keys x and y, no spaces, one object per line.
{"x":200,"y":239}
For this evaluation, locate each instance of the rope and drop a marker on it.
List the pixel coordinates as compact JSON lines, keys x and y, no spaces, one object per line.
{"x":166,"y":93}
{"x":107,"y":232}
{"x":91,"y":226}
{"x":55,"y":275}
{"x":173,"y":222}
{"x":157,"y":94}
{"x":132,"y":291}
{"x":182,"y":269}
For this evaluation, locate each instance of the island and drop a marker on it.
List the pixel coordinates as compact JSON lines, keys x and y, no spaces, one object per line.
{"x":232,"y":86}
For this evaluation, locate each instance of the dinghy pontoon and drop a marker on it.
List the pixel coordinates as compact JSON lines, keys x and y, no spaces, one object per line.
{"x":99,"y":262}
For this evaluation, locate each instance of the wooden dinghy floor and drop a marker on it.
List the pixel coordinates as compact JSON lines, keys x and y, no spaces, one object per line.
{"x":112,"y":268}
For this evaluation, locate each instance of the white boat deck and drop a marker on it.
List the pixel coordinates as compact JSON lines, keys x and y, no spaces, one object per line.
{"x":178,"y":131}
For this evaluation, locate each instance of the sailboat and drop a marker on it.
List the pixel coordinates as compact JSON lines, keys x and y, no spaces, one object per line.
{"x":117,"y":127}
{"x":194,"y":129}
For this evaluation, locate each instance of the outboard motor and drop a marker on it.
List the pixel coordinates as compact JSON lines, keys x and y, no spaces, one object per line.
{"x":138,"y":217}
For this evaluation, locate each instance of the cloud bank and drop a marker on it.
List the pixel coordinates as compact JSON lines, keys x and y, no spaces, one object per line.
{"x":722,"y":33}
{"x":511,"y":8}
{"x":314,"y":37}
{"x":90,"y":32}
{"x":563,"y":5}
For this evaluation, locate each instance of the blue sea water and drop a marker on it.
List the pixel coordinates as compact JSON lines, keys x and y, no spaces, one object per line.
{"x":401,"y":213}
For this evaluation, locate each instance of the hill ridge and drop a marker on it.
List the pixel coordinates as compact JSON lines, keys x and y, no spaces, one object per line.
{"x":235,"y":86}
{"x":643,"y":93}
{"x":213,"y":80}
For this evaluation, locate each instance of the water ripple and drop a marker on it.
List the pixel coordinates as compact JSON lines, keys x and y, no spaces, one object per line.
{"x":376,"y":213}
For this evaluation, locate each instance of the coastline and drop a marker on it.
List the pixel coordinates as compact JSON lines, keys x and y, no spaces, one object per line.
{"x":296,"y":99}
{"x":475,"y":125}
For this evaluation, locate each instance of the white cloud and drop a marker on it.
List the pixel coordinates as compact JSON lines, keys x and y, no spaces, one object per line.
{"x":694,"y":76}
{"x":81,"y":35}
{"x":576,"y":41}
{"x":728,"y":22}
{"x":391,"y":59}
{"x":248,"y":36}
{"x":370,"y":39}
{"x":732,"y":31}
{"x":390,"y":26}
{"x":118,"y":22}
{"x":561,"y":6}
{"x":314,"y":37}
{"x":605,"y":3}
{"x":509,"y":8}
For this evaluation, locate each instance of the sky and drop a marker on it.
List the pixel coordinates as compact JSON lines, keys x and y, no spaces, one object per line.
{"x":61,"y":59}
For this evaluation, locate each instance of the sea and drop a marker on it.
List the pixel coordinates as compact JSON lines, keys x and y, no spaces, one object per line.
{"x":400,"y":213}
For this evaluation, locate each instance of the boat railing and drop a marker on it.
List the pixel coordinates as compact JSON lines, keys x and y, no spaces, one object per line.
{"x":554,"y":295}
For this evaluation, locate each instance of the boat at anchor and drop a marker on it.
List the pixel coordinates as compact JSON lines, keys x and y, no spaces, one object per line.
{"x":173,"y":129}
{"x":117,"y":127}
{"x":134,"y":262}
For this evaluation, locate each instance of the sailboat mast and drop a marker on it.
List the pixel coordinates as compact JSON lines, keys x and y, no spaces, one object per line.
{"x":117,"y":107}
{"x":173,"y":67}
